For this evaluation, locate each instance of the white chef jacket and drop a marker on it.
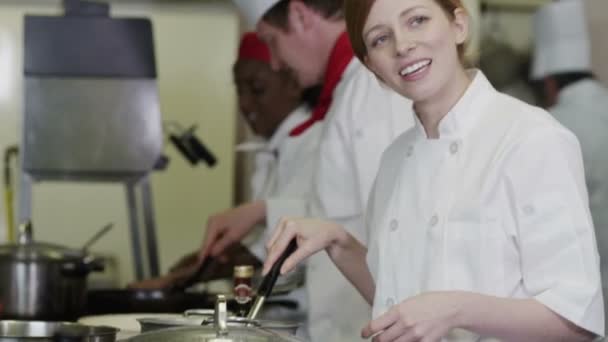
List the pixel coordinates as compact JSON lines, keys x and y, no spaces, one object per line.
{"x":282,"y":176}
{"x":364,"y":118}
{"x":497,"y":205}
{"x":583,"y":108}
{"x":284,"y":170}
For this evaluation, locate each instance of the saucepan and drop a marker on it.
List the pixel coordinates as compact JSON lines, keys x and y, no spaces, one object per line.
{"x":173,"y":300}
{"x":193,"y":318}
{"x":219,"y":330}
{"x":42,"y":281}
{"x":40,"y":331}
{"x":208,"y":317}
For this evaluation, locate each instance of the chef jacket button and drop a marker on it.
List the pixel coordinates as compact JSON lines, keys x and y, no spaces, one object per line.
{"x":390,"y":302}
{"x":529,"y":210}
{"x":359,"y":134}
{"x":410,"y":151}
{"x":454,"y":148}
{"x":434,"y":220}
{"x":394,"y":225}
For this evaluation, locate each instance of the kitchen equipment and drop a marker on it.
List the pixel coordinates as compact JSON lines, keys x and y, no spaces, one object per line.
{"x":174,"y":299}
{"x":206,"y":318}
{"x":115,"y":301}
{"x":39,"y":331}
{"x":91,"y":112}
{"x":126,"y":323}
{"x":10,"y":153}
{"x":103,"y":231}
{"x":221,"y":330}
{"x":265,"y":289}
{"x":42,"y":281}
{"x":193,"y":278}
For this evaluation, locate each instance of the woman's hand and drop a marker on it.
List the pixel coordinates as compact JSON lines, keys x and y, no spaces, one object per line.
{"x":312,"y":235}
{"x":426,"y":317}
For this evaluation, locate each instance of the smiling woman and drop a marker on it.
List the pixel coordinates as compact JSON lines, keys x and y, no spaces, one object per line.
{"x":478,"y":223}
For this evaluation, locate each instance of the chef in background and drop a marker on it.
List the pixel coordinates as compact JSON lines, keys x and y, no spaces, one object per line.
{"x":272,"y":104}
{"x":562,"y":64}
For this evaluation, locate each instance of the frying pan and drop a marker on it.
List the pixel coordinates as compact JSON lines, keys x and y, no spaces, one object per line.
{"x":172,"y":300}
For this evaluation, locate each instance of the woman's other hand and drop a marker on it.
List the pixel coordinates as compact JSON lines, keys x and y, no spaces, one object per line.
{"x":426,"y":317}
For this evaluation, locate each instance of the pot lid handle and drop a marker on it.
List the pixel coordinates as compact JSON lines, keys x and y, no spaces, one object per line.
{"x":221,"y":316}
{"x":25,"y":233}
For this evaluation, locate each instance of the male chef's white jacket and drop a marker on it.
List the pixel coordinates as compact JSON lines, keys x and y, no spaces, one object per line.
{"x":364,"y":118}
{"x":497,"y":205}
{"x":282,"y":176}
{"x":583,"y":108}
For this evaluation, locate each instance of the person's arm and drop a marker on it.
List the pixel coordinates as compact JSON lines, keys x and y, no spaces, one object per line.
{"x":230,"y":226}
{"x":312,"y":236}
{"x":432,"y":315}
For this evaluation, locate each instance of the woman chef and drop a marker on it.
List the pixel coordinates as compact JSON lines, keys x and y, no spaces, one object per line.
{"x":479,"y":219}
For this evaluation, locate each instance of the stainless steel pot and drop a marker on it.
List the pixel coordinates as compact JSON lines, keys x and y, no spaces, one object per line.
{"x":206,"y":318}
{"x":219,"y":330}
{"x":43,"y":281}
{"x":38,"y":331}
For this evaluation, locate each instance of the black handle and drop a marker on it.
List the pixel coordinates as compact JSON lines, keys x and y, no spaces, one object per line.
{"x":194,"y":277}
{"x":82,"y":268}
{"x":183,"y":149}
{"x":201,"y":150}
{"x":270,"y":279}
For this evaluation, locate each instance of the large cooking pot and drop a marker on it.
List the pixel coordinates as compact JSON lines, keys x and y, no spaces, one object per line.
{"x":43,"y":281}
{"x":220,"y":330}
{"x":207,"y":318}
{"x":38,"y":331}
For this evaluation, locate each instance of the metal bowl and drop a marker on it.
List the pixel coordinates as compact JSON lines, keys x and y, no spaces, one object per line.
{"x":39,"y":331}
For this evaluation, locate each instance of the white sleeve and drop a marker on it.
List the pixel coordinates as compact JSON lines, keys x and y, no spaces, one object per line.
{"x":555,"y":236}
{"x":293,"y":195}
{"x":336,"y":186}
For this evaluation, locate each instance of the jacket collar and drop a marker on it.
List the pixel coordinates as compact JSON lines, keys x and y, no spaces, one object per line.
{"x":259,"y":144}
{"x":340,"y":57}
{"x":464,"y":114}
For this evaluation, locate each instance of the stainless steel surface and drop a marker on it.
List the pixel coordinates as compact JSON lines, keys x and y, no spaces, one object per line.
{"x":255,"y":309}
{"x":25,"y":196}
{"x":36,"y":290}
{"x":25,"y":234}
{"x":135,"y":231}
{"x":21,"y":331}
{"x":42,"y":281}
{"x":156,"y":323}
{"x":208,"y":334}
{"x":220,"y":318}
{"x":150,"y":227}
{"x":103,"y":231}
{"x":88,"y":127}
{"x":94,"y":129}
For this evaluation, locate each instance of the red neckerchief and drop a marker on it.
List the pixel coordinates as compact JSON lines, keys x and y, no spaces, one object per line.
{"x":339,"y":58}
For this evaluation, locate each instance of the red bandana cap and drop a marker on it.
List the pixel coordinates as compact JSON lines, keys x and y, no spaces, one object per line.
{"x":253,"y":47}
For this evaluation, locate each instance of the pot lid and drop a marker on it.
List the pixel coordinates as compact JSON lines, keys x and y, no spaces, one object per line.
{"x":39,"y":251}
{"x":209,"y":334}
{"x":220,"y":331}
{"x":27,"y":249}
{"x":209,"y":320}
{"x":39,"y":330}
